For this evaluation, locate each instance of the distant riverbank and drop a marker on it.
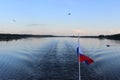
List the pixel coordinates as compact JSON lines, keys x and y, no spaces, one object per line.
{"x":114,"y":36}
{"x":8,"y":37}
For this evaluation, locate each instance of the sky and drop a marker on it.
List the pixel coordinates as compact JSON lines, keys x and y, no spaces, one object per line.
{"x":87,"y":17}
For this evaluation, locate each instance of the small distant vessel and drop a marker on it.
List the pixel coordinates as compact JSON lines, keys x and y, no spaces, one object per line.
{"x":108,"y":45}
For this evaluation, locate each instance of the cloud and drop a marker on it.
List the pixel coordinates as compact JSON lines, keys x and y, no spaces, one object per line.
{"x":78,"y":31}
{"x":36,"y":25}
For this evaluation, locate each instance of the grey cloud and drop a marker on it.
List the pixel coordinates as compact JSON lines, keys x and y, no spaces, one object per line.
{"x":36,"y":25}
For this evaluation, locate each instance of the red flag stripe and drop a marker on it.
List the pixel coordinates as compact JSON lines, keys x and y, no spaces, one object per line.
{"x":82,"y":58}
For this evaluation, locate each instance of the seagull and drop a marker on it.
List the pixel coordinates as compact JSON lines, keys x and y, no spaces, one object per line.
{"x":14,"y":20}
{"x":69,"y":13}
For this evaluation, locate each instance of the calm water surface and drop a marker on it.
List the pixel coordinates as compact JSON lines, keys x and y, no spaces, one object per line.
{"x":55,"y":59}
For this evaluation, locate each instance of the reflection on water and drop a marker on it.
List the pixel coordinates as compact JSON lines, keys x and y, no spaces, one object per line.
{"x":55,"y":59}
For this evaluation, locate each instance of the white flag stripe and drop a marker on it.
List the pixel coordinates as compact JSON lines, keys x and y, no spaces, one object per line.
{"x":80,"y":51}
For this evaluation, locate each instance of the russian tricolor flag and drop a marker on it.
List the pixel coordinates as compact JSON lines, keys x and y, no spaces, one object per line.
{"x":82,"y":57}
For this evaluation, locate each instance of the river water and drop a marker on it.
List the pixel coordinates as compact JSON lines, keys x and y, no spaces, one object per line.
{"x":55,"y":59}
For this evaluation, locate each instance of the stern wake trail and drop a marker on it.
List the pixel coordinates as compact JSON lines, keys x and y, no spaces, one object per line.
{"x":56,"y":59}
{"x":59,"y":63}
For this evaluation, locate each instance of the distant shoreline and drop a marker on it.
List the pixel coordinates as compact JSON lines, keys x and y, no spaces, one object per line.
{"x":112,"y":37}
{"x":8,"y":37}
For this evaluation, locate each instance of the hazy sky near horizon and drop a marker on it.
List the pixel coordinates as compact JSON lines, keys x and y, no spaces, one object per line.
{"x":88,"y":17}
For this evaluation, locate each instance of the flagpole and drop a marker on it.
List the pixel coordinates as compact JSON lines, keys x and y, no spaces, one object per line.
{"x":82,"y":57}
{"x":79,"y":57}
{"x":79,"y":72}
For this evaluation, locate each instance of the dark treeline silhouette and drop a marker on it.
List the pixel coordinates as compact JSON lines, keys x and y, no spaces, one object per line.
{"x":7,"y":37}
{"x":114,"y":36}
{"x":84,"y":36}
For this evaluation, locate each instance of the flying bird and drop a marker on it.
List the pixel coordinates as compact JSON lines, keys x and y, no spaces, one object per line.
{"x":69,"y":13}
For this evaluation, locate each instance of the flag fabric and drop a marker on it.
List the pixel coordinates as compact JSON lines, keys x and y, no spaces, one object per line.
{"x":82,"y":57}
